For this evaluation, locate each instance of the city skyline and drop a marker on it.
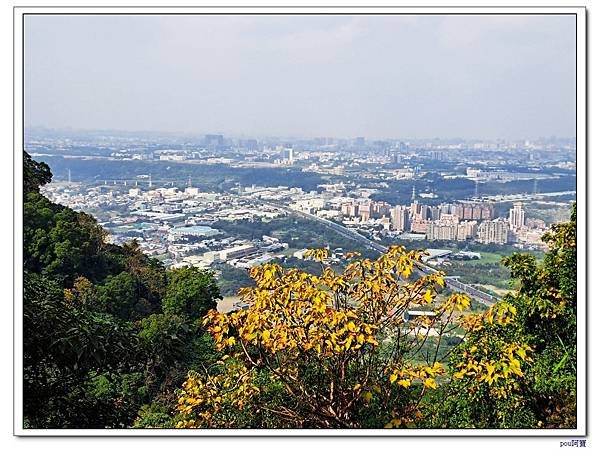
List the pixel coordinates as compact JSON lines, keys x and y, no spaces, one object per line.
{"x":481,"y":77}
{"x":200,"y":134}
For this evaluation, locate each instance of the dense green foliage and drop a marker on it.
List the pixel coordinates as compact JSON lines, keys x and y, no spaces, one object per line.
{"x":60,"y":242}
{"x":190,"y":293}
{"x":214,"y":177}
{"x":108,"y":333}
{"x":232,"y":279}
{"x":546,"y":304}
{"x":35,"y":174}
{"x":294,"y":231}
{"x":78,"y":365}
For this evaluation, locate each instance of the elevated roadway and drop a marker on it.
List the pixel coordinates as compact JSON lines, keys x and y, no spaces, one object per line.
{"x":451,"y":282}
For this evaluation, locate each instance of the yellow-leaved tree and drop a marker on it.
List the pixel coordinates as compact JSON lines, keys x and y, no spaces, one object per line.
{"x":359,"y":347}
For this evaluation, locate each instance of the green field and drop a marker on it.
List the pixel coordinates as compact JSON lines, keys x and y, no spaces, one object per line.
{"x":486,"y":258}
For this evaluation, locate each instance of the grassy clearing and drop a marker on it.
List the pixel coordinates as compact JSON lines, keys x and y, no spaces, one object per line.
{"x":486,"y":258}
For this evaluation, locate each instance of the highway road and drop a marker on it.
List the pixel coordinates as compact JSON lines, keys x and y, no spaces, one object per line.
{"x":452,"y":283}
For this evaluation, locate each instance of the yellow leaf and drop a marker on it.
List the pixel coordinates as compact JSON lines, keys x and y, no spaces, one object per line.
{"x":430,"y":383}
{"x":516,"y":367}
{"x":348,"y":343}
{"x":371,"y":340}
{"x":427,"y":296}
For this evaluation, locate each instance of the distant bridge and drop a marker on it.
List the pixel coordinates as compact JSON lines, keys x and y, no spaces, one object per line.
{"x":521,"y":197}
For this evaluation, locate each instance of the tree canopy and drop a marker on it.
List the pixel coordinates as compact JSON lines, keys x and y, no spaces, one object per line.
{"x":97,"y":351}
{"x":337,"y":350}
{"x":190,"y":292}
{"x":544,"y":322}
{"x":35,"y":174}
{"x":340,"y":348}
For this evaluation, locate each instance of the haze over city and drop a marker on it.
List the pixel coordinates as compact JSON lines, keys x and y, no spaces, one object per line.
{"x":510,"y":77}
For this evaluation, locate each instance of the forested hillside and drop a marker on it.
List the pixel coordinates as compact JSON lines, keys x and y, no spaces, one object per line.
{"x":109,"y":334}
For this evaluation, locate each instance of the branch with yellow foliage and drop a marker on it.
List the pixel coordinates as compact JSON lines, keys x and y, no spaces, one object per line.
{"x":338,"y":346}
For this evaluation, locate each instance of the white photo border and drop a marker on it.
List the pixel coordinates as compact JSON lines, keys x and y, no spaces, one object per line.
{"x":581,"y":196}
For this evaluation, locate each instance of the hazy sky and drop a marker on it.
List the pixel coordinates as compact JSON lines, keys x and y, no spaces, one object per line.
{"x":341,"y":76}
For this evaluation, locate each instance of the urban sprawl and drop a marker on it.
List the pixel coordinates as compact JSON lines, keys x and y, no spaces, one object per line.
{"x":360,"y":185}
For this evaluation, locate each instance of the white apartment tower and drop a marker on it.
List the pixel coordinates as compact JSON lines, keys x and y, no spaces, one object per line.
{"x":516,"y":216}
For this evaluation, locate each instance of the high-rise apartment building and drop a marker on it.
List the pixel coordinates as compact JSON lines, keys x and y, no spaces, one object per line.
{"x":419,"y":226}
{"x":364,"y":211}
{"x":400,"y":218}
{"x":213,"y":140}
{"x":415,"y":208}
{"x":380,"y":209}
{"x":440,"y":230}
{"x":473,"y":211}
{"x":516,"y":216}
{"x":349,"y":209}
{"x":466,"y":230}
{"x":493,"y":231}
{"x":449,"y":228}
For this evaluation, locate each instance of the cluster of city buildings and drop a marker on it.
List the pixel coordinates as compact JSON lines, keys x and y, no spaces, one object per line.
{"x":180,"y":226}
{"x":458,"y":221}
{"x":177,"y":226}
